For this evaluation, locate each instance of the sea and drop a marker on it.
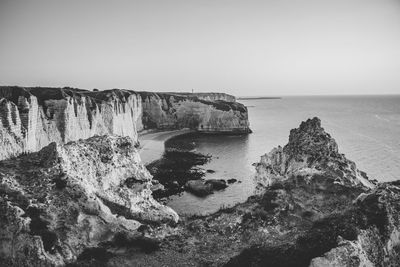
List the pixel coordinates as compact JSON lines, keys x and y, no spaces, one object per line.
{"x":366,"y":128}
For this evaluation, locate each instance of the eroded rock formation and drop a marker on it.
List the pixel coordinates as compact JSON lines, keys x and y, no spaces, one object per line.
{"x":310,"y":151}
{"x":59,"y":203}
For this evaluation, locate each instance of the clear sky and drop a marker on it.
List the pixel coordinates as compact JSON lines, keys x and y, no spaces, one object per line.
{"x":243,"y":47}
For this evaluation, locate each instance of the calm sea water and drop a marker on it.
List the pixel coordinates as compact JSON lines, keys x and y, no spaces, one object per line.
{"x":367,"y":130}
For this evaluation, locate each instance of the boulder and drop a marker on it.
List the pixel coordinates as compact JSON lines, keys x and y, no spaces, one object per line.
{"x":199,"y":188}
{"x":217,"y":184}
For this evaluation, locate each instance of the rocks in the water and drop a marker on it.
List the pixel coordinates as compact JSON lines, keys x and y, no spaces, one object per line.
{"x":203,"y":188}
{"x":210,"y":171}
{"x":199,"y":188}
{"x":232,"y":180}
{"x":217,"y":184}
{"x":175,"y":168}
{"x":58,"y":202}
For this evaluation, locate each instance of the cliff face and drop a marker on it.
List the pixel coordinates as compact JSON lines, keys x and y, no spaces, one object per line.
{"x":168,"y":111}
{"x":31,"y":118}
{"x":66,"y":201}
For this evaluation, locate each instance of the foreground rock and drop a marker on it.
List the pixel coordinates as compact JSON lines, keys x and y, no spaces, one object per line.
{"x":76,"y":201}
{"x":315,"y":208}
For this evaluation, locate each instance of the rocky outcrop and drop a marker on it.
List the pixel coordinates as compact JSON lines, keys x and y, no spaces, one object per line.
{"x":59,"y":204}
{"x":172,"y":111}
{"x":377,"y":241}
{"x":31,"y":118}
{"x":327,"y":210}
{"x":310,"y":151}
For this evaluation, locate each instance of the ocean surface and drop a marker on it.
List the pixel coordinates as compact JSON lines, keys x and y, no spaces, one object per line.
{"x":366,"y":128}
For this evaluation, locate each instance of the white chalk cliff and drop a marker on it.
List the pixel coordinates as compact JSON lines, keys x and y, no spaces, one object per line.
{"x":31,"y":118}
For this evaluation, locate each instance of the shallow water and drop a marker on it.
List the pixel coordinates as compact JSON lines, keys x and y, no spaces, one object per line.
{"x":366,"y":128}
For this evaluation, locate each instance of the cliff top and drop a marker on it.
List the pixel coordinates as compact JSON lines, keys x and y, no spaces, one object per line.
{"x":218,"y":100}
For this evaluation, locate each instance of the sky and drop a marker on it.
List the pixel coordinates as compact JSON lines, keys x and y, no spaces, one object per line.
{"x":242,"y":47}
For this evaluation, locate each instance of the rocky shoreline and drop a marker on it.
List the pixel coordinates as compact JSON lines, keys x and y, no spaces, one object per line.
{"x":89,"y":203}
{"x":319,"y":211}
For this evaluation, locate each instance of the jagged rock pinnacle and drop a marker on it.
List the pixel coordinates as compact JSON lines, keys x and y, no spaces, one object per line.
{"x":310,"y":150}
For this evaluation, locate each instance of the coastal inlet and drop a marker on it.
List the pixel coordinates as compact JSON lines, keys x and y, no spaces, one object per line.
{"x":176,"y":157}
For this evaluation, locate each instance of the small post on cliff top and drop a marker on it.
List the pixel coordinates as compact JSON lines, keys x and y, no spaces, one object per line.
{"x":192,"y":90}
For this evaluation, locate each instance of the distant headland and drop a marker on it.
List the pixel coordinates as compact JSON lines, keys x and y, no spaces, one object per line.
{"x":261,"y":97}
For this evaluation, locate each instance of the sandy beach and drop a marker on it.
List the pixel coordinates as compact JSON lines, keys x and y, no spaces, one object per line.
{"x":152,"y":143}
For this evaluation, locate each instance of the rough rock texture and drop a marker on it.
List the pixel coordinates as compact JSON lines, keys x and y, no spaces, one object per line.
{"x":310,"y":150}
{"x":328,"y":212}
{"x":59,"y":203}
{"x":31,"y":118}
{"x":168,"y":111}
{"x":376,"y":245}
{"x":363,"y":233}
